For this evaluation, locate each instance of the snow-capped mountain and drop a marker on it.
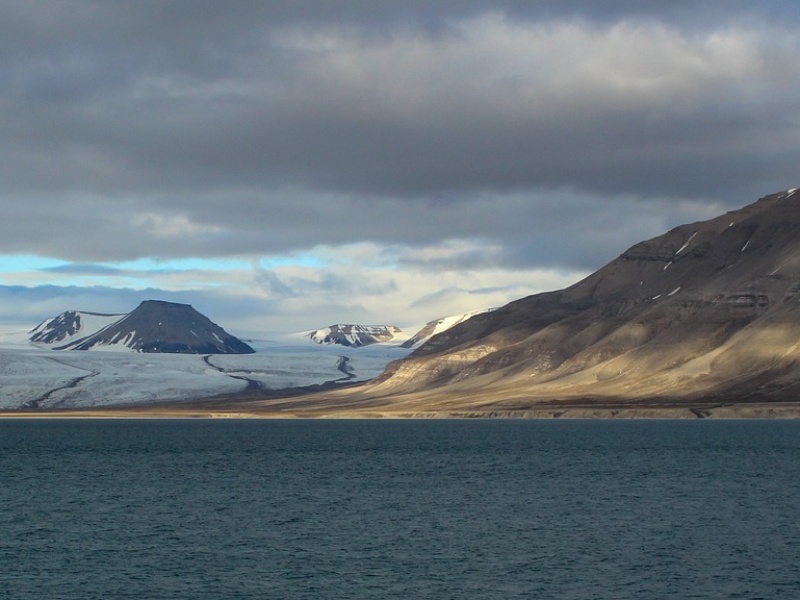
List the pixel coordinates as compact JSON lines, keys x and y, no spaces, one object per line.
{"x":437,"y":326}
{"x":71,"y":325}
{"x":354,"y":336}
{"x":364,"y":335}
{"x":154,"y":326}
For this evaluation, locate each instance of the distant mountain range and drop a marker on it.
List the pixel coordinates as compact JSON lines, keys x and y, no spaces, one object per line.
{"x":356,"y":336}
{"x":154,"y":326}
{"x":159,"y":326}
{"x":708,"y":313}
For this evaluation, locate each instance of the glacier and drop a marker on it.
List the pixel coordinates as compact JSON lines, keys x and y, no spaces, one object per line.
{"x":34,"y":377}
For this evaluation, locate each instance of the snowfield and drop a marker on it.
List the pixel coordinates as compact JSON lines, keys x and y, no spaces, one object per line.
{"x":37,"y":377}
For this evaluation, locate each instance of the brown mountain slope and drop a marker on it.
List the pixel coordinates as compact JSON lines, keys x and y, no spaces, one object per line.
{"x":709,"y":311}
{"x":703,"y":320}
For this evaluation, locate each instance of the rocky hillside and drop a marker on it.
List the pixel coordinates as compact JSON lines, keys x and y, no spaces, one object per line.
{"x":709,"y":310}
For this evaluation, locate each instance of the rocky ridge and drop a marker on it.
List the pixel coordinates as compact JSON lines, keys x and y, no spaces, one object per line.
{"x":71,"y":325}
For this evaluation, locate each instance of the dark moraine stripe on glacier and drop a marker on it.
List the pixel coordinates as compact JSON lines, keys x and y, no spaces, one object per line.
{"x":199,"y":510}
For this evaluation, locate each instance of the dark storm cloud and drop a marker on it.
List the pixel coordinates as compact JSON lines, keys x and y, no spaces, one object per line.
{"x":210,"y":129}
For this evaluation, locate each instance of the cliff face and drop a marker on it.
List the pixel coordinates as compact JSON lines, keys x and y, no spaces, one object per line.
{"x":707,"y":310}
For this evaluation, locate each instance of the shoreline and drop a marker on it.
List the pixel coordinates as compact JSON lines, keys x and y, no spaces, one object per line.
{"x":739,"y":411}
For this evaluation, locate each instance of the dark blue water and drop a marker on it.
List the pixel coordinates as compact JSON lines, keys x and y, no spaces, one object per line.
{"x":399,"y":509}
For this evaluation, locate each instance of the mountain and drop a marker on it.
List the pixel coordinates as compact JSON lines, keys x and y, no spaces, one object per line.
{"x":436,"y":327}
{"x":365,"y":335}
{"x":71,"y":325}
{"x":354,"y":335}
{"x":154,"y":326}
{"x":709,"y":312}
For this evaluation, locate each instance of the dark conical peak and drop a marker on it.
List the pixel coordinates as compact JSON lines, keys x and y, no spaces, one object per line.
{"x":165,"y":314}
{"x":163,"y":304}
{"x":161,"y":326}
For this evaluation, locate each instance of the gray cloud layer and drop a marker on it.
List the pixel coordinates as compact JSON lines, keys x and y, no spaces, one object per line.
{"x":562,"y":130}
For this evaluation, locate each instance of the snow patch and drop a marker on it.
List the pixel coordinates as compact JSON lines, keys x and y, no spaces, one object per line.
{"x":449,"y":322}
{"x":433,"y":328}
{"x":682,"y":248}
{"x":675,"y":291}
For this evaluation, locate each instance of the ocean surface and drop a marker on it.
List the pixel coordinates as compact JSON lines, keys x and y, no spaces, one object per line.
{"x":224,"y":510}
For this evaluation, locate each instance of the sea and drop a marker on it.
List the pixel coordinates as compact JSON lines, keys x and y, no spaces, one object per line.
{"x":383,"y":509}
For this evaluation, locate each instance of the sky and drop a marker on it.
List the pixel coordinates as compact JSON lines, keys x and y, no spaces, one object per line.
{"x":291,"y":164}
